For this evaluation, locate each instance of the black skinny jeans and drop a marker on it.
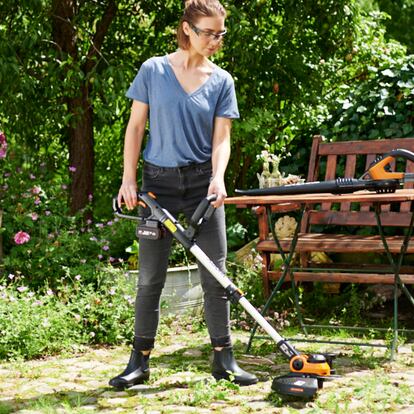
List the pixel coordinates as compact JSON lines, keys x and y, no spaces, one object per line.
{"x":180,"y":190}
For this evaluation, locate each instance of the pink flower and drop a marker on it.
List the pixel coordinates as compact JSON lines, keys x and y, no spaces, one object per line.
{"x":106,"y":248}
{"x":22,"y":288}
{"x":37,"y":201}
{"x":36,"y":190}
{"x":72,"y":168}
{"x":21,"y":237}
{"x":32,"y":177}
{"x":34,"y":216}
{"x":3,"y":145}
{"x":78,"y":277}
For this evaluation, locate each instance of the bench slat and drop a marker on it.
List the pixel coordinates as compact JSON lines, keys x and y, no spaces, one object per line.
{"x":363,"y":147}
{"x":332,"y":277}
{"x":337,"y":243}
{"x":358,"y":218}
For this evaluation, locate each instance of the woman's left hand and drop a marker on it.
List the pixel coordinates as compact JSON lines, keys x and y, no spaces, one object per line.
{"x":218,"y":187}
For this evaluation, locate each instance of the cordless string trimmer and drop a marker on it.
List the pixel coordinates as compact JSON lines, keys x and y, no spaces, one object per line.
{"x":377,"y":178}
{"x":307,"y":371}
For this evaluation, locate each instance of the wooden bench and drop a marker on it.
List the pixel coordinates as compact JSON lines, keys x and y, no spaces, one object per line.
{"x":340,"y":222}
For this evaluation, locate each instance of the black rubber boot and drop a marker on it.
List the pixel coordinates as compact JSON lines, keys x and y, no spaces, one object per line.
{"x":136,"y":372}
{"x":225,"y":366}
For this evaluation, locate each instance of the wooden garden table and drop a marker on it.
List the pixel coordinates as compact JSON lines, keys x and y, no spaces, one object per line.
{"x":285,"y":203}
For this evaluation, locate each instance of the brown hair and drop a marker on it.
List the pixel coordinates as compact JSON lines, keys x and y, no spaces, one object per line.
{"x":194,"y":10}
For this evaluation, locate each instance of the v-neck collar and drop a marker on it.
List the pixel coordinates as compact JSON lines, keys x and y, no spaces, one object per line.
{"x":177,"y":82}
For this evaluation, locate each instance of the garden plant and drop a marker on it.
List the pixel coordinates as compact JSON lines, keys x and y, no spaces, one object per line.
{"x":340,"y":68}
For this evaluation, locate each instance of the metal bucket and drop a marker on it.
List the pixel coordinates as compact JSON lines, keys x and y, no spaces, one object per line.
{"x":182,"y":291}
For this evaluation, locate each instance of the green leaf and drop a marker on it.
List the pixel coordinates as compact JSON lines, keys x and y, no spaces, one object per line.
{"x":407,"y":128}
{"x":389,"y":73}
{"x":374,"y":133}
{"x":347,"y":104}
{"x":388,"y":111}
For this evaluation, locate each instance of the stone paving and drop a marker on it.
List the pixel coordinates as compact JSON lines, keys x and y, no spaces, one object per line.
{"x":180,"y":383}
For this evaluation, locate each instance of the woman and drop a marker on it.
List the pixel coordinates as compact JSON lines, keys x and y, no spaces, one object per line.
{"x":190,"y":102}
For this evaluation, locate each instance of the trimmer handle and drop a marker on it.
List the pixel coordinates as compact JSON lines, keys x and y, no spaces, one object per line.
{"x":377,"y":169}
{"x":118,"y":211}
{"x":202,"y":213}
{"x":204,"y":210}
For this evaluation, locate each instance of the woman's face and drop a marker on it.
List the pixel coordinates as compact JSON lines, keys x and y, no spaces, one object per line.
{"x":206,"y":35}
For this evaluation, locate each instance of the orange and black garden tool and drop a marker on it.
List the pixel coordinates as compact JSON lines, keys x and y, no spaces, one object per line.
{"x":307,"y":371}
{"x":378,"y":178}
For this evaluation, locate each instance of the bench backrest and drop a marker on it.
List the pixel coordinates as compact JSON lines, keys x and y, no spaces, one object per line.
{"x":350,"y":159}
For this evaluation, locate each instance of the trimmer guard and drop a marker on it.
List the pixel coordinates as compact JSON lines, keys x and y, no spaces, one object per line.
{"x":296,"y":385}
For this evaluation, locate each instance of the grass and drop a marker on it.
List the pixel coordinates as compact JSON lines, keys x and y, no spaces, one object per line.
{"x":180,"y":377}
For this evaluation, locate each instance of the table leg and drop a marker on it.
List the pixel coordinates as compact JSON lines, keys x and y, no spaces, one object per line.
{"x":286,"y":269}
{"x":396,"y":266}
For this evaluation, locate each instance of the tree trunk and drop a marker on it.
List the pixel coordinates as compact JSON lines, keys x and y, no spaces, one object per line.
{"x":81,"y":151}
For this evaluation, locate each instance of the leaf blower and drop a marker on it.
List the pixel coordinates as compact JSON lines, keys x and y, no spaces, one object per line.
{"x":377,"y":178}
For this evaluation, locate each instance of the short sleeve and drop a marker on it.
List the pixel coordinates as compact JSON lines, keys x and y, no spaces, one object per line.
{"x":227,"y":103}
{"x":139,"y":87}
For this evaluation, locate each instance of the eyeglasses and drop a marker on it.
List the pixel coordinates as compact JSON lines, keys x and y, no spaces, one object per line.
{"x":206,"y":34}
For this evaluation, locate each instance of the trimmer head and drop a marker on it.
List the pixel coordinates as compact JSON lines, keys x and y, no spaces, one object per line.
{"x":308,"y":372}
{"x":296,"y":385}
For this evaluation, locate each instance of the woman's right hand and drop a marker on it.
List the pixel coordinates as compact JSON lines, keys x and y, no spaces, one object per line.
{"x":128,"y":194}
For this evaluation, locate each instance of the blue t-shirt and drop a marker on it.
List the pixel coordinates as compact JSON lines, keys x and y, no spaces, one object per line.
{"x":181,"y":124}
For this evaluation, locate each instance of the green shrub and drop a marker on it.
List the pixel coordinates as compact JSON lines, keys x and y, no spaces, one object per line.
{"x":380,"y":106}
{"x":34,"y":201}
{"x":75,"y":314}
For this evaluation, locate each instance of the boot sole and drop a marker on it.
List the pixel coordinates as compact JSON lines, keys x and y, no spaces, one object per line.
{"x":122,"y":387}
{"x":219,"y":377}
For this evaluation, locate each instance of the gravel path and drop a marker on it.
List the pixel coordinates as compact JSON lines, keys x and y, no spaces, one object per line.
{"x":181,"y":383}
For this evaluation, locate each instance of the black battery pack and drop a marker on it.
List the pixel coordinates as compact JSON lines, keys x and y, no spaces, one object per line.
{"x":150,"y":229}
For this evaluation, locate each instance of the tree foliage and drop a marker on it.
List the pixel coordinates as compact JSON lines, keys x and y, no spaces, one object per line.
{"x":400,"y":19}
{"x":67,"y":64}
{"x":281,"y":46}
